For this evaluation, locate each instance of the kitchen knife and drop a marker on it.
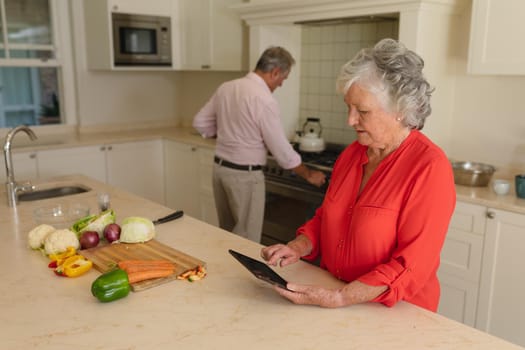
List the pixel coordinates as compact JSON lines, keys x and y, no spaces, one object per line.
{"x":170,"y":217}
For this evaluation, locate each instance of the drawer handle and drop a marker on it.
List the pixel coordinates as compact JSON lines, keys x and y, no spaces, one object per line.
{"x":491,"y":214}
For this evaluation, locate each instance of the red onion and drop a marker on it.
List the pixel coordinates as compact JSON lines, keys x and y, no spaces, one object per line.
{"x":89,"y":239}
{"x":112,"y":232}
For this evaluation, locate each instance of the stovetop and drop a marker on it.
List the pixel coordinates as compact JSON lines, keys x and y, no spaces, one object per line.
{"x":323,"y":161}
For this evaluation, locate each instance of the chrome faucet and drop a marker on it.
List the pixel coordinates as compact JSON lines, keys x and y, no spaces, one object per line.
{"x":11,"y":186}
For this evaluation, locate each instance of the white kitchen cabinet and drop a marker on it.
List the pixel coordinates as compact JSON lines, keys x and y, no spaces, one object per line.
{"x":137,"y":167}
{"x":501,"y":310}
{"x":207,"y":199}
{"x":188,"y":172}
{"x":213,"y":36}
{"x":25,"y":166}
{"x":182,"y":177}
{"x":85,"y":160}
{"x":150,"y":7}
{"x":496,"y":32}
{"x":460,"y":267}
{"x":482,"y":274}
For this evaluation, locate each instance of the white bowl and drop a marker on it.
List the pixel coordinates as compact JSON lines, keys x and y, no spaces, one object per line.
{"x":500,"y":186}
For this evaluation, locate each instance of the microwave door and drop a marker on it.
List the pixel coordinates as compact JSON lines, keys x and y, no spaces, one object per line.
{"x":134,"y":43}
{"x":138,"y":41}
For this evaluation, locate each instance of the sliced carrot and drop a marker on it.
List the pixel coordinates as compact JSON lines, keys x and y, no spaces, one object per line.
{"x":139,"y":276}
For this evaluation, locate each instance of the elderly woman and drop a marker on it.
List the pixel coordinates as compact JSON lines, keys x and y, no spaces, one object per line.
{"x":386,"y":212}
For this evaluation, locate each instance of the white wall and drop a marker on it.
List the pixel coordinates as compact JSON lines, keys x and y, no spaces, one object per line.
{"x":197,"y":88}
{"x":489,"y":121}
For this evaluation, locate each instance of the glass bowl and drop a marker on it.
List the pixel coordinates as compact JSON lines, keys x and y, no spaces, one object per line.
{"x":60,"y":215}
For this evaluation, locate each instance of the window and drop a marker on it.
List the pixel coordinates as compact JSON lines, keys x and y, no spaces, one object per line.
{"x":31,"y":71}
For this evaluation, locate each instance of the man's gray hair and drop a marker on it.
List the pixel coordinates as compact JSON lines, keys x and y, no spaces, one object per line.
{"x":275,"y":57}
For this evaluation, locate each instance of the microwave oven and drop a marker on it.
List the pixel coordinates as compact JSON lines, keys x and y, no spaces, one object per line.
{"x":140,"y":40}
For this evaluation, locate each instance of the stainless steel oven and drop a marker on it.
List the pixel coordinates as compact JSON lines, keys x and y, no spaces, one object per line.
{"x":290,"y":200}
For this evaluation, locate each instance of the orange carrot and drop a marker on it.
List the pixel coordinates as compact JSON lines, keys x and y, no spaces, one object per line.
{"x":138,"y":276}
{"x":145,"y":263}
{"x":131,"y":269}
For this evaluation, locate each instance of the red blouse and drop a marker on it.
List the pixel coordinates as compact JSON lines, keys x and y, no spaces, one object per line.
{"x":392,"y":233}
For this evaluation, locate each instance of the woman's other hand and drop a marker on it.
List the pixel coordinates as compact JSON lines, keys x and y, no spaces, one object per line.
{"x":312,"y":295}
{"x":352,"y":293}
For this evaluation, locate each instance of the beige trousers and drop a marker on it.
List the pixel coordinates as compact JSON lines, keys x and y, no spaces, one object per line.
{"x":239,"y":198}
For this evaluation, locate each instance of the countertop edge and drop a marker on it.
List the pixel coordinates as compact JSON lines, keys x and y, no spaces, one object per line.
{"x":483,"y":196}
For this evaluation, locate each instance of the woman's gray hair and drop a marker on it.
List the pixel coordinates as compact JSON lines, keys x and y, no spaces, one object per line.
{"x":275,"y":57}
{"x":394,"y":74}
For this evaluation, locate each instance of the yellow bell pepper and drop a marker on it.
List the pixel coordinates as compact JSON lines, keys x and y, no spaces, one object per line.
{"x":74,"y":266}
{"x":59,"y":258}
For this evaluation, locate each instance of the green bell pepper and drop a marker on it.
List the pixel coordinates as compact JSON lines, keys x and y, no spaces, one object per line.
{"x":111,"y":285}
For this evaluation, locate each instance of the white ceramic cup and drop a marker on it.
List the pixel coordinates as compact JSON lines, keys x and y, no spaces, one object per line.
{"x":500,"y":186}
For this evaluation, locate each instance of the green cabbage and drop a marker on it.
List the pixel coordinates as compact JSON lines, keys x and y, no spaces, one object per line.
{"x":94,"y":222}
{"x":136,"y":230}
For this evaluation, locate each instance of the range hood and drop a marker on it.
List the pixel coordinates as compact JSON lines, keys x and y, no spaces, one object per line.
{"x":346,"y":20}
{"x":258,"y":12}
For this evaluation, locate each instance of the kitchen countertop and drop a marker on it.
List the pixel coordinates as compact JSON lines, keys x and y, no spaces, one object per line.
{"x":475,"y":195}
{"x":228,"y":309}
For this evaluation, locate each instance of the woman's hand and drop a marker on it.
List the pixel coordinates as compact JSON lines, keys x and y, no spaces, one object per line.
{"x":280,"y":254}
{"x":312,"y":295}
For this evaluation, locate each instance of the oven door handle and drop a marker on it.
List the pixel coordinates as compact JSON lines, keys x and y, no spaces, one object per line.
{"x":290,"y":191}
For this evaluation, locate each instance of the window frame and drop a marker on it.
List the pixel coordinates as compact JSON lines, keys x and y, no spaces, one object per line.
{"x":62,"y":42}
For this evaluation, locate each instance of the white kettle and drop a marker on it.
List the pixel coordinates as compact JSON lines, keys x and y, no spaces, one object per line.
{"x":311,"y":141}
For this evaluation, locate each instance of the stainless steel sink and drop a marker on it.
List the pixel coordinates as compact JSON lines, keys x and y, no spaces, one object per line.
{"x":59,"y":191}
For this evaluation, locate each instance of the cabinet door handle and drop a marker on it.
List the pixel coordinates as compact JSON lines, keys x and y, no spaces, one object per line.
{"x":103,"y":148}
{"x":193,"y":149}
{"x":32,"y":156}
{"x":110,"y":148}
{"x":205,"y":66}
{"x":491,"y":214}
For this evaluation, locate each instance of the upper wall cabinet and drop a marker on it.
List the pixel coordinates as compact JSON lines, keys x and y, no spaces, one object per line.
{"x":497,"y":29}
{"x":203,"y":35}
{"x":213,"y":36}
{"x":151,"y":7}
{"x":131,"y":34}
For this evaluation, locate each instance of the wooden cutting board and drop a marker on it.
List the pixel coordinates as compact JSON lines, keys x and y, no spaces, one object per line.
{"x":105,"y":258}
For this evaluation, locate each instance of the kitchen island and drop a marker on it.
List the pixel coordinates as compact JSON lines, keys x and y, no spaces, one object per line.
{"x":228,"y":309}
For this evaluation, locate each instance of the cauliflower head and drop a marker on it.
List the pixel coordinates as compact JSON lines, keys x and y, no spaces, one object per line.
{"x":37,"y":235}
{"x":58,"y":241}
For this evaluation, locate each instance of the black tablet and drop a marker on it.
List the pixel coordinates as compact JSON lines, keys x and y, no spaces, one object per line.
{"x":259,"y":269}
